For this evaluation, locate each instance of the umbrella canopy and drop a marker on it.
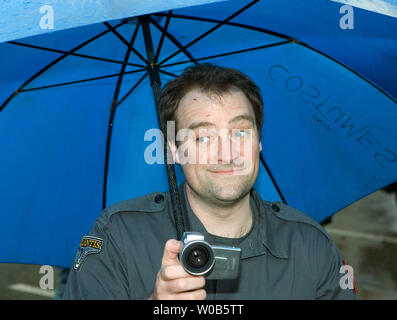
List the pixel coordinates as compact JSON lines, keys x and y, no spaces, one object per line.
{"x":78,"y":112}
{"x":21,"y":19}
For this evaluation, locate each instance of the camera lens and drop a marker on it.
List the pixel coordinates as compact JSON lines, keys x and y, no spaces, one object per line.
{"x":197,"y":257}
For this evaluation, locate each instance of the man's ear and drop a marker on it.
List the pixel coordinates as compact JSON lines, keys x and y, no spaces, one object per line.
{"x":174,"y":151}
{"x":260,"y":146}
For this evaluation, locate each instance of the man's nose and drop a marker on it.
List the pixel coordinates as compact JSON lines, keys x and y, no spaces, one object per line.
{"x":227,"y":150}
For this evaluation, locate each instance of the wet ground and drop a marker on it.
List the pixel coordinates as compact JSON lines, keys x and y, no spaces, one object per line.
{"x":365,"y":232}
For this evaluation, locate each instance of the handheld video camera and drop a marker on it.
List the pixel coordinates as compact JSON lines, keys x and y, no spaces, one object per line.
{"x":198,"y":257}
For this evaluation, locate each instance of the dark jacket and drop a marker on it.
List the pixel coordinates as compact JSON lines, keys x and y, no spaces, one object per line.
{"x":286,"y":255}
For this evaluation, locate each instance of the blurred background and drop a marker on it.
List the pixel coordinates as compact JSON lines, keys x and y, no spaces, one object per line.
{"x":365,"y":232}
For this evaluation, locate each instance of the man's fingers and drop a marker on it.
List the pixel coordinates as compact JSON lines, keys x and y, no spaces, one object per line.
{"x":200,"y":294}
{"x":173,"y":282}
{"x":172,"y":272}
{"x":171,"y":250}
{"x":187,"y":284}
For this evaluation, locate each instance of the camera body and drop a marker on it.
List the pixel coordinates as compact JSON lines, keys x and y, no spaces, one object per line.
{"x":198,"y":257}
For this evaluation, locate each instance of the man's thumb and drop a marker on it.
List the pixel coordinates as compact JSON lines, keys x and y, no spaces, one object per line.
{"x":171,"y":250}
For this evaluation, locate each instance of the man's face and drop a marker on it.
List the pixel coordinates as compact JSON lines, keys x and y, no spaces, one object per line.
{"x":220,"y":152}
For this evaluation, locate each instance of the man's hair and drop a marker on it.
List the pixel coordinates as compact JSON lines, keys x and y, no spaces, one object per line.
{"x":210,"y":79}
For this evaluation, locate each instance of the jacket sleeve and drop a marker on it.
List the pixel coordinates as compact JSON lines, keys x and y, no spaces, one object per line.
{"x":98,"y":272}
{"x":336,"y":281}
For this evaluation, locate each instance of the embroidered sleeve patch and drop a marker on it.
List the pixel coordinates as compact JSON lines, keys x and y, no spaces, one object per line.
{"x":88,"y":245}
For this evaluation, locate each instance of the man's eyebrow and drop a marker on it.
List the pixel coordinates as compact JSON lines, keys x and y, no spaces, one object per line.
{"x":243,"y":117}
{"x":199,"y":124}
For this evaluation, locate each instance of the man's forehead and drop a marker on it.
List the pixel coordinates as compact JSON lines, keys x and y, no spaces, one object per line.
{"x":197,"y":105}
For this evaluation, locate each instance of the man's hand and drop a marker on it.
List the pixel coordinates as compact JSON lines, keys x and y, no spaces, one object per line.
{"x":173,"y":282}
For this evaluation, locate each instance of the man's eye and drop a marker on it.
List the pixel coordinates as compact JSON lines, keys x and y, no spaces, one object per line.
{"x":241,"y":133}
{"x":204,"y":139}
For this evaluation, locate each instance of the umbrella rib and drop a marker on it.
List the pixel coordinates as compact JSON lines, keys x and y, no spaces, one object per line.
{"x":132,"y":89}
{"x":272,"y":178}
{"x":284,"y":37}
{"x":350,"y":69}
{"x":164,"y":31}
{"x":174,"y":40}
{"x":169,"y":73}
{"x":118,"y":35}
{"x":41,"y":71}
{"x":79,"y":81}
{"x":229,"y":23}
{"x":230,"y":53}
{"x":221,"y":23}
{"x":112,"y":114}
{"x":71,"y":54}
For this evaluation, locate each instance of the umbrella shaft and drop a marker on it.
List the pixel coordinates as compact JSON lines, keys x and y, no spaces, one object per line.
{"x":155,"y":82}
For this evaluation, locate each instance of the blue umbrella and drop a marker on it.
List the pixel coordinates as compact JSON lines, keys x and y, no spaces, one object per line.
{"x":78,"y":110}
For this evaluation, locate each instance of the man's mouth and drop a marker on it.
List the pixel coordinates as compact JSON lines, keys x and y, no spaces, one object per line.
{"x":235,"y":171}
{"x":224,"y":172}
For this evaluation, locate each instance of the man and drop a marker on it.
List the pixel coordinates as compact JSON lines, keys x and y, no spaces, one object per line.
{"x":132,"y":250}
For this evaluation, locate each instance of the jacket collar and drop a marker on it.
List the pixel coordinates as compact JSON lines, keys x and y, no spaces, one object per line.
{"x":261,"y":236}
{"x":268,"y":223}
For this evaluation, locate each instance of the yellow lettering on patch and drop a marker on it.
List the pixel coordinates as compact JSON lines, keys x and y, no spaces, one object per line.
{"x":92,"y":243}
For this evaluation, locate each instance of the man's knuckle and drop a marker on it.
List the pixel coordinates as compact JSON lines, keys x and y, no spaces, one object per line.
{"x":181,"y":283}
{"x":166,"y":273}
